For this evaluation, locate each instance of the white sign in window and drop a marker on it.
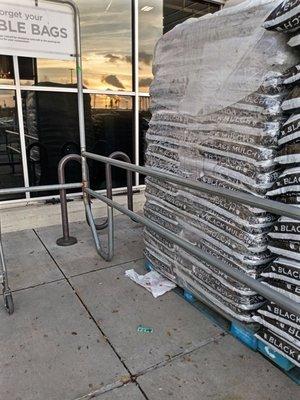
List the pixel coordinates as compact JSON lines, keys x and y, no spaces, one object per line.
{"x":38,"y":29}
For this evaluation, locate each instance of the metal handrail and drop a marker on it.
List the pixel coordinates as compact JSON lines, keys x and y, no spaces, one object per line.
{"x":248,"y":199}
{"x":42,"y":188}
{"x":290,"y":211}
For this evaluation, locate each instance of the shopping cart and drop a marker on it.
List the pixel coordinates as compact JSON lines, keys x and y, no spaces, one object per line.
{"x":7,"y":294}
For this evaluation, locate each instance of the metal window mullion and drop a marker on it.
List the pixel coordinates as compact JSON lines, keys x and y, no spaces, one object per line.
{"x":7,"y":87}
{"x":108,"y":93}
{"x":136,"y":85}
{"x":21,"y":123}
{"x":69,"y":90}
{"x":144,"y":94}
{"x":47,"y":89}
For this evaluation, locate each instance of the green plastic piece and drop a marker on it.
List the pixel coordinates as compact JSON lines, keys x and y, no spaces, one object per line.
{"x":144,"y":329}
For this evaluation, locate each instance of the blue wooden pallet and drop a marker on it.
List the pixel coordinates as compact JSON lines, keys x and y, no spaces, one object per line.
{"x":245,"y":333}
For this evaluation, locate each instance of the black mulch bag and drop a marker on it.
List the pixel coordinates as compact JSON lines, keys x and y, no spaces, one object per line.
{"x":192,"y":264}
{"x":292,"y":102}
{"x":285,"y":238}
{"x":289,"y":154}
{"x":161,"y":262}
{"x":272,"y":310}
{"x":283,"y":269}
{"x":292,"y":76}
{"x":286,"y":229}
{"x":213,"y":284}
{"x":284,"y":330}
{"x":290,"y":132}
{"x":280,"y":345}
{"x":288,"y":199}
{"x":288,"y":289}
{"x":285,"y":248}
{"x":196,"y":286}
{"x":285,"y":17}
{"x":160,"y":220}
{"x":287,"y":185}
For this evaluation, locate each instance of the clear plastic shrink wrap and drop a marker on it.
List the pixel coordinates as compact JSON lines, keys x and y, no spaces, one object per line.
{"x":216,"y":104}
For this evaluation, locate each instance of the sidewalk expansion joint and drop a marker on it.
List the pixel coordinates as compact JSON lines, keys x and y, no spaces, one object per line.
{"x":125,"y":380}
{"x":110,"y":388}
{"x":183,"y":353}
{"x":104,"y":389}
{"x":39,"y":284}
{"x":130,"y":377}
{"x":105,"y":268}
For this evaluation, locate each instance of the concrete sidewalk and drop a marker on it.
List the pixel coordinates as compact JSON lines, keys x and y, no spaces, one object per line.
{"x":74,"y":331}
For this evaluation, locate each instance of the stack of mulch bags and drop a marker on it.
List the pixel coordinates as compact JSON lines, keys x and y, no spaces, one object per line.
{"x":216,"y":105}
{"x":281,"y":329}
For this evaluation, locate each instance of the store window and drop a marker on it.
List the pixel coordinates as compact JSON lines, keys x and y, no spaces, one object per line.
{"x":11,"y":170}
{"x":6,"y":70}
{"x":51,"y":132}
{"x":150,"y":30}
{"x":106,"y":43}
{"x":112,"y":122}
{"x":47,"y":72}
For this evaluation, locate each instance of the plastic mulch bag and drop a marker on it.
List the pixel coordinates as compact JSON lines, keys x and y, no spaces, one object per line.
{"x":286,"y":17}
{"x":281,"y":345}
{"x":292,"y":102}
{"x":283,"y":269}
{"x":290,"y":132}
{"x":292,"y":75}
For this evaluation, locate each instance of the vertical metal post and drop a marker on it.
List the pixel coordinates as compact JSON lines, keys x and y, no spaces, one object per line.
{"x":21,"y":123}
{"x":109,"y":189}
{"x":78,"y":57}
{"x":135,"y":15}
{"x":80,"y":99}
{"x":66,"y":239}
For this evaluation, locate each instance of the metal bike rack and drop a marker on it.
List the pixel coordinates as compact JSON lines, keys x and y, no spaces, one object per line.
{"x":119,"y":155}
{"x":66,"y":239}
{"x":108,"y":254}
{"x":251,"y":200}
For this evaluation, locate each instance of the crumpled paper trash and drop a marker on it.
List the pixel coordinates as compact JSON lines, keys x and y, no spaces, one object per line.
{"x":152,"y":281}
